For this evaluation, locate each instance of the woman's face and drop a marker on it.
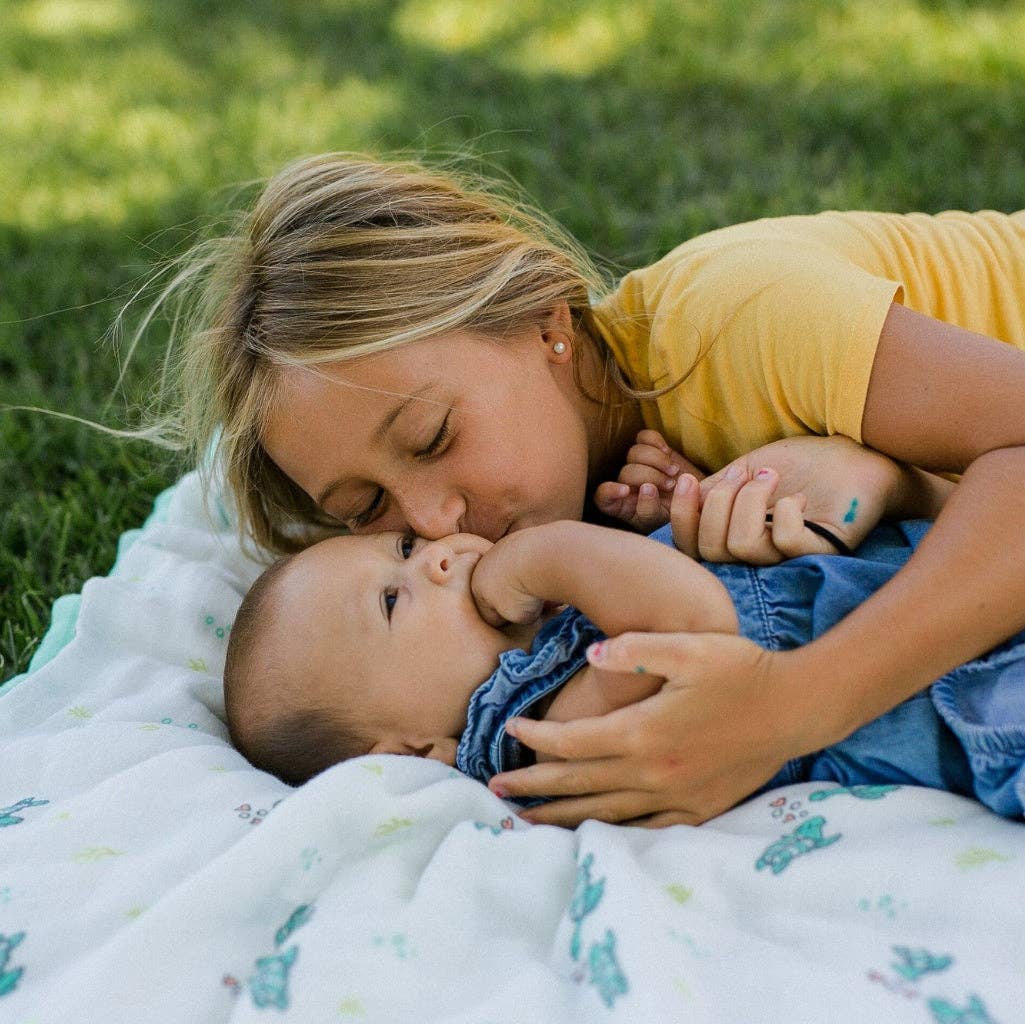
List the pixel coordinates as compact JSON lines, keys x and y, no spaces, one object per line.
{"x":455,"y":434}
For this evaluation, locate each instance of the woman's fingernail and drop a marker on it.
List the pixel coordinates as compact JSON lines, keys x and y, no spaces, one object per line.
{"x":734,"y":473}
{"x":596,"y":652}
{"x":649,"y":490}
{"x":499,"y":791}
{"x":763,"y":473}
{"x":684,"y":484}
{"x":512,"y":727}
{"x":622,"y":491}
{"x":668,"y":485}
{"x":673,"y":469}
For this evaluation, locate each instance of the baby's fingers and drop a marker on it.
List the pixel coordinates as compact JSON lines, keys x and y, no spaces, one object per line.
{"x":653,"y":438}
{"x":650,"y":463}
{"x":633,"y":475}
{"x":650,"y":513}
{"x":616,"y":500}
{"x":640,"y":508}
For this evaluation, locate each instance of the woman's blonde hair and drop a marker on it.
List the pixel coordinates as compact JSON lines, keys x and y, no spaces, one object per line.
{"x":340,"y":256}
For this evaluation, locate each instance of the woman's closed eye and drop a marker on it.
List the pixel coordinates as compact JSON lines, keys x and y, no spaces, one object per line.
{"x":440,"y":439}
{"x":357,"y":520}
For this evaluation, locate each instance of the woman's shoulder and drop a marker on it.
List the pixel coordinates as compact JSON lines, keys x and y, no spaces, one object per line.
{"x":753,"y":247}
{"x":709,"y":276}
{"x":870,"y":239}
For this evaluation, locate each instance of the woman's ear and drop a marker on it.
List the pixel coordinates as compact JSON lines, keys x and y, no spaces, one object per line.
{"x":557,"y":333}
{"x":442,"y":749}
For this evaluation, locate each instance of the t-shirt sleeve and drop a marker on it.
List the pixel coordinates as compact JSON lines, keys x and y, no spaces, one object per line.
{"x":779,"y":337}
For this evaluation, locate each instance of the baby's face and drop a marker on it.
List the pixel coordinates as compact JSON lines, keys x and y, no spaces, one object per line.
{"x":386,"y":625}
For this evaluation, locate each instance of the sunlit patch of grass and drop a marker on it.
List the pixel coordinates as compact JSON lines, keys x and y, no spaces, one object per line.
{"x":810,"y":43}
{"x":453,"y":25}
{"x":860,"y":40}
{"x":87,"y":147}
{"x":530,"y":37}
{"x":88,"y":201}
{"x":583,"y":44}
{"x":54,"y":18}
{"x":301,"y":117}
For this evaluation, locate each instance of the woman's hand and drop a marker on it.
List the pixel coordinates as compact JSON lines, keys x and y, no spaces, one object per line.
{"x":729,"y":715}
{"x":737,"y":519}
{"x":829,"y":482}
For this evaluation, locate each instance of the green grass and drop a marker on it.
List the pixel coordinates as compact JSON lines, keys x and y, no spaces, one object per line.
{"x":637,"y":122}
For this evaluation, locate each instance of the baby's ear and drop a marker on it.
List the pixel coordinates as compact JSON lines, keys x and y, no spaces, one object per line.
{"x":443,"y":750}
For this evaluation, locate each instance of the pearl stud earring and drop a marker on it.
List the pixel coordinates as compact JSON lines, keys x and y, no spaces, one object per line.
{"x":559,"y":347}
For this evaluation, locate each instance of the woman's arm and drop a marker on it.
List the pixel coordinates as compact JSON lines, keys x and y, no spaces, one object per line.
{"x":731,"y":713}
{"x":946,"y":400}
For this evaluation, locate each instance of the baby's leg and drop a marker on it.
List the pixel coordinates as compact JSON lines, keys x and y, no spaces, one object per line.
{"x":909,"y":745}
{"x":983,"y":703}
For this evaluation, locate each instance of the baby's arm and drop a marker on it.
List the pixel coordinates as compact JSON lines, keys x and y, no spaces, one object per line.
{"x":592,"y":692}
{"x":620,"y":581}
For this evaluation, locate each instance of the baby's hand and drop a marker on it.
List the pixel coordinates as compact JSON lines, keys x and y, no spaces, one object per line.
{"x":642,"y":496}
{"x":497,"y":583}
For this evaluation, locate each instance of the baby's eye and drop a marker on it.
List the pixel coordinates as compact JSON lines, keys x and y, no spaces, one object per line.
{"x":390,"y":597}
{"x":406,"y":544}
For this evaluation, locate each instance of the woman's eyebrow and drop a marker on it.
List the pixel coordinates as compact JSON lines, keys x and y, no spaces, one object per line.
{"x":328,"y":491}
{"x":396,"y":411}
{"x":387,"y":421}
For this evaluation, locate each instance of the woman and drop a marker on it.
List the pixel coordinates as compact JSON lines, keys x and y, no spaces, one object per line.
{"x":386,"y":349}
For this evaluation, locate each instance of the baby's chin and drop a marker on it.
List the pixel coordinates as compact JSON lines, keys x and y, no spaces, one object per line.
{"x":522,"y":635}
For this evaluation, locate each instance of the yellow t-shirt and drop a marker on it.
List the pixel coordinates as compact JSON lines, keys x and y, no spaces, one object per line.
{"x":775,"y":323}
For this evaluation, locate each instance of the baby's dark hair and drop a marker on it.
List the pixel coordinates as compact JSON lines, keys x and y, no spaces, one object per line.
{"x":293,"y":743}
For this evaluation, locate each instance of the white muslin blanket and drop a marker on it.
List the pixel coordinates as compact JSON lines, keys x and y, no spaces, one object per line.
{"x":149,"y":874}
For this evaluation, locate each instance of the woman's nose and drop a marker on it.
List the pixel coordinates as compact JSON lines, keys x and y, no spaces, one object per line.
{"x":433,"y":515}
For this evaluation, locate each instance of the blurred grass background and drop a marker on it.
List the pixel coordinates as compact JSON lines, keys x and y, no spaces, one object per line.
{"x":638,"y":123}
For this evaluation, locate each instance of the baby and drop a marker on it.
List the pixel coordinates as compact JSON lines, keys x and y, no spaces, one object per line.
{"x":393,"y":644}
{"x":376,"y":644}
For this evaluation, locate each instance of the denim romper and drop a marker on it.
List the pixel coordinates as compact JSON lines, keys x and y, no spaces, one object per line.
{"x":965,"y":733}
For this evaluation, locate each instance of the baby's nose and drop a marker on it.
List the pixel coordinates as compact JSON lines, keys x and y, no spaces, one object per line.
{"x":436,"y":561}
